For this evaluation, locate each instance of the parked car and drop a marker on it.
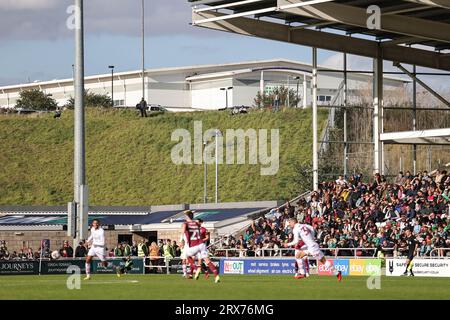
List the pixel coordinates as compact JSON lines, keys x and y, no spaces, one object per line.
{"x":156,"y":107}
{"x":239,"y":109}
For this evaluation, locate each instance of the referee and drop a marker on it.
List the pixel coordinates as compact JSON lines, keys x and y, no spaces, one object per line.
{"x":412,"y":246}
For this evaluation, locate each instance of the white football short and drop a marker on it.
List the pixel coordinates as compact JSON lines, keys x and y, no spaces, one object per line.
{"x":199,"y":251}
{"x":98,"y":252}
{"x":183,"y":254}
{"x":302,"y":249}
{"x":314,"y":252}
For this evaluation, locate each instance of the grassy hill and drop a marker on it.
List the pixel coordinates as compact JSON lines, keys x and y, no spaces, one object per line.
{"x":129,"y":158}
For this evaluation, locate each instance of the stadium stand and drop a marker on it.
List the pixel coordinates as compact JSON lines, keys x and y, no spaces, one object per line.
{"x":366,"y":217}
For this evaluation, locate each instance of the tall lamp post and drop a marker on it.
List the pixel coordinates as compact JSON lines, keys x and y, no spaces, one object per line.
{"x":298,"y":84}
{"x":112,"y":85}
{"x":205,"y":174}
{"x":226,"y":95}
{"x":78,"y":209}
{"x":218,"y":134}
{"x":143,"y":50}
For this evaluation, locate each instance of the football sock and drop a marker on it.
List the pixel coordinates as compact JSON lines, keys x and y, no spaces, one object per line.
{"x":300,"y":266}
{"x":296,"y":266}
{"x":331,"y":267}
{"x":213,"y":268}
{"x":306,"y":264}
{"x":192,"y":264}
{"x":410,"y":266}
{"x":184,"y":269}
{"x":88,"y":269}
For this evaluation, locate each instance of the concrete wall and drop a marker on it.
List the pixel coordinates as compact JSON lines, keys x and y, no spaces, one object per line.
{"x":207,"y":95}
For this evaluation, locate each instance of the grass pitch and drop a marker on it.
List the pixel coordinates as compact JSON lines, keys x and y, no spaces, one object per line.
{"x":174,"y":287}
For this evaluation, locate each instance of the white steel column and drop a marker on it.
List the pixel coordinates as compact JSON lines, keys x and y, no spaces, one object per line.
{"x":414,"y":118}
{"x":314,"y":125}
{"x":261,"y":89}
{"x":305,"y":92}
{"x":345,"y":117}
{"x":80,"y":188}
{"x":378,"y":113}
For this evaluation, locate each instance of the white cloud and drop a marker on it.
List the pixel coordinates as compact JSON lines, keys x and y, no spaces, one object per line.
{"x":27,"y":4}
{"x":46,"y":19}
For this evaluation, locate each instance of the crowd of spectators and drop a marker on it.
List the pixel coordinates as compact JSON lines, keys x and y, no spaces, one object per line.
{"x":163,"y":248}
{"x":368,"y":217}
{"x":23,"y":254}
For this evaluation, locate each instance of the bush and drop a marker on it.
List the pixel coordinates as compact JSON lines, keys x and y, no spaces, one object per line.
{"x":35,"y":99}
{"x":266,"y":101}
{"x":92,"y":100}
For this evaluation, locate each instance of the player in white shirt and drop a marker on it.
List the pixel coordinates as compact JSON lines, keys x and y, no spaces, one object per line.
{"x":304,"y":238}
{"x":96,"y":241}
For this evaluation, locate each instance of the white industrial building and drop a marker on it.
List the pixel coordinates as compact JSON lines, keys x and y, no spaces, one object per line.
{"x":204,"y":87}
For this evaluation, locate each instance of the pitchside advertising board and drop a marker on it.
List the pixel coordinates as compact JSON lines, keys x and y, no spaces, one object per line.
{"x":421,"y":267}
{"x":60,"y":266}
{"x":348,"y":267}
{"x":352,"y":267}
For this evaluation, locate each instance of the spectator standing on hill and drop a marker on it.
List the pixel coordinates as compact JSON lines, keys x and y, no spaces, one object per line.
{"x":276,"y":102}
{"x":143,"y":107}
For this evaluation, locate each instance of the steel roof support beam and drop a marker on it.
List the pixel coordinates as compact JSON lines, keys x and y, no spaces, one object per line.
{"x":324,"y":40}
{"x":356,"y":16}
{"x":432,"y":3}
{"x":423,"y":84}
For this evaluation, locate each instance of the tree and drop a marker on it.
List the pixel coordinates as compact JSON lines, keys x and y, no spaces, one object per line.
{"x":268,"y":99}
{"x":92,"y":100}
{"x":35,"y":99}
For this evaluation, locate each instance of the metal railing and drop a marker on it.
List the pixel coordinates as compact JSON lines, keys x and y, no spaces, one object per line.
{"x":166,"y":265}
{"x":289,"y":252}
{"x":215,"y":241}
{"x":440,"y":253}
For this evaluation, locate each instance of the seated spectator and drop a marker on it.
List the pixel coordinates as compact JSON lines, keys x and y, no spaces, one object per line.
{"x":81,"y":250}
{"x":66,"y":251}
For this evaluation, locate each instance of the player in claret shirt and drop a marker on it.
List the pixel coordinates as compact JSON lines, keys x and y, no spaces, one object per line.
{"x":204,"y":234}
{"x":195,"y":246}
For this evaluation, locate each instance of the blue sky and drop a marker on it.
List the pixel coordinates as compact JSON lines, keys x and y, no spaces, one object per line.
{"x":35,"y":43}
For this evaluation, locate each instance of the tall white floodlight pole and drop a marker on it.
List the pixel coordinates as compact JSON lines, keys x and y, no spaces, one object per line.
{"x":80,"y":187}
{"x":261,"y":89}
{"x":345,"y":117}
{"x":287,"y":98}
{"x":305,"y":92}
{"x":205,"y":174}
{"x":378,"y":113}
{"x":414,"y":118}
{"x":143,"y":49}
{"x":218,"y":134}
{"x":314,"y":125}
